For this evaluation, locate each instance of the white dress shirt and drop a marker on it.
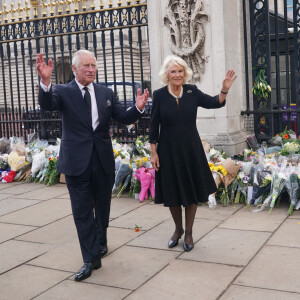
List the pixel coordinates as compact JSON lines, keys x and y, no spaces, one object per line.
{"x":95,"y":116}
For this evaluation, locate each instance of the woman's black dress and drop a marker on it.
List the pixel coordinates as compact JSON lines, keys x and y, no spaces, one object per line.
{"x":184,"y":176}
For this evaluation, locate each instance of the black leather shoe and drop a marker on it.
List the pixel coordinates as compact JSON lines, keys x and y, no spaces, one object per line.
{"x":187,"y":247}
{"x":87,"y":269}
{"x":174,"y":243}
{"x":103,"y":250}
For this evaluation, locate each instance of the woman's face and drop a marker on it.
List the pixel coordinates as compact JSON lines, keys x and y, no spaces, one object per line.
{"x":175,"y":75}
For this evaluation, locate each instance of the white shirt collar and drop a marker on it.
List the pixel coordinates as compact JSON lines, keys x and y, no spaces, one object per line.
{"x":90,"y":86}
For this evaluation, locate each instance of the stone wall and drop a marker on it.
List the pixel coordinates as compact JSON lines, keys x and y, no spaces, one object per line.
{"x":223,"y":50}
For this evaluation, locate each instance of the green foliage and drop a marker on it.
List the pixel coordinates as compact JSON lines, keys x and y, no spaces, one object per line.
{"x":51,"y":175}
{"x":137,"y":186}
{"x":261,"y":88}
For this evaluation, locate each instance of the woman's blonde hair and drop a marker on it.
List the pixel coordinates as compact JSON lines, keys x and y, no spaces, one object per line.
{"x":177,"y":61}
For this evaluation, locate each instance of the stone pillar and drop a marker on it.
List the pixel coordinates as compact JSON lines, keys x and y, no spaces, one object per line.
{"x":224,"y":48}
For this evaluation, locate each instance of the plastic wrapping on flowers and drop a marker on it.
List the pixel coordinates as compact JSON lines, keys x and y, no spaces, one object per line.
{"x":263,"y":177}
{"x":249,"y":177}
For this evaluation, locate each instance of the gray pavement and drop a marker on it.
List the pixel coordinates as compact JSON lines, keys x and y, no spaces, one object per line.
{"x":238,"y":254}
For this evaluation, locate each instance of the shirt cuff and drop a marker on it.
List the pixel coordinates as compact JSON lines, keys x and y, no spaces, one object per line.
{"x":140,"y":111}
{"x":44,"y":87}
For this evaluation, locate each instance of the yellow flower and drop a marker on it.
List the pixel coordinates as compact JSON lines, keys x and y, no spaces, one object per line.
{"x":144,"y":159}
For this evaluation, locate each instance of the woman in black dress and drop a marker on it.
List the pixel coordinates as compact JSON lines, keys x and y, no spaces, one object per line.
{"x":183,"y":177}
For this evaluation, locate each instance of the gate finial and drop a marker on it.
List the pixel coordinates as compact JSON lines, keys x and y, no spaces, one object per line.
{"x":12,"y":12}
{"x":5,"y":12}
{"x":20,"y":10}
{"x":35,"y":4}
{"x":27,"y":9}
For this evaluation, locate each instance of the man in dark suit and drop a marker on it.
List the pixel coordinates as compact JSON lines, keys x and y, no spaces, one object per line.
{"x":86,"y":155}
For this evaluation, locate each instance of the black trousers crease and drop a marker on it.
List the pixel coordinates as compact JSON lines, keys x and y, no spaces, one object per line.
{"x":90,"y":195}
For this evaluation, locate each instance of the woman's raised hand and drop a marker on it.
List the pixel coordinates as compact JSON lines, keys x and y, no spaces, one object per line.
{"x":228,"y":80}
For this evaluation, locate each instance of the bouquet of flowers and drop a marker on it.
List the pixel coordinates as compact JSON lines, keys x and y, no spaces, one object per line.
{"x":125,"y":184}
{"x":146,"y":178}
{"x":38,"y":163}
{"x":121,"y":174}
{"x":261,"y":183}
{"x":233,"y":189}
{"x":34,"y":147}
{"x":3,"y":161}
{"x":142,"y":146}
{"x":293,"y":189}
{"x":15,"y":161}
{"x":245,"y":155}
{"x":51,"y":174}
{"x":278,"y":184}
{"x":4,"y":145}
{"x":23,"y":173}
{"x":242,"y":187}
{"x":215,"y":156}
{"x":135,"y":187}
{"x":289,"y":148}
{"x":287,"y":135}
{"x":217,"y":168}
{"x":122,"y":151}
{"x":142,"y":161}
{"x":17,"y":145}
{"x":246,"y":166}
{"x":231,"y":169}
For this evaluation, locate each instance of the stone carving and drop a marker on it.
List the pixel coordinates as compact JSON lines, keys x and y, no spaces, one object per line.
{"x":185,"y":20}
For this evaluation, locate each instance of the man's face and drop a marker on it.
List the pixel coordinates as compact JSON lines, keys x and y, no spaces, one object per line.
{"x":87,"y":69}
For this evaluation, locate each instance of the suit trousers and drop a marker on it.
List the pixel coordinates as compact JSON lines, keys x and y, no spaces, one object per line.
{"x":90,"y":195}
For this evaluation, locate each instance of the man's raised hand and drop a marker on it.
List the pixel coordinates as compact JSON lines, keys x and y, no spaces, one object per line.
{"x":141,"y":100}
{"x":43,"y":69}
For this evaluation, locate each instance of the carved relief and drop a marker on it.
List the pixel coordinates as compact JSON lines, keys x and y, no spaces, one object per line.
{"x":185,"y":20}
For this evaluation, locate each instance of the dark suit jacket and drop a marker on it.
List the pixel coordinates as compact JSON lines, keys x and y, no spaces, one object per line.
{"x":78,"y":137}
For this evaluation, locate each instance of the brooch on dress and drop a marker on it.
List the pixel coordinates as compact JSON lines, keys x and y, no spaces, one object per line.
{"x":189,"y":91}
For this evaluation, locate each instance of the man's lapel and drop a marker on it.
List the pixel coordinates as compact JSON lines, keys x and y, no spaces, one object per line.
{"x":100,"y":99}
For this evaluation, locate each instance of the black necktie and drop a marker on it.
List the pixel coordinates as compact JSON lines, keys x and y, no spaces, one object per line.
{"x":87,"y":102}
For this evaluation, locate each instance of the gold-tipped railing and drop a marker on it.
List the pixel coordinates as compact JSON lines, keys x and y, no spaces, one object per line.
{"x":42,"y":8}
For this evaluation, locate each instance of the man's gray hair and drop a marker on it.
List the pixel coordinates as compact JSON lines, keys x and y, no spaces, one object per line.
{"x":77,"y":56}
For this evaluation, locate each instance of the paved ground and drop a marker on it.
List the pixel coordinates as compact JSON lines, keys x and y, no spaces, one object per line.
{"x":237,"y":254}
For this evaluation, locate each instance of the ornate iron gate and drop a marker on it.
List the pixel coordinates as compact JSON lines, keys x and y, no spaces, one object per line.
{"x":275,"y":48}
{"x":116,"y":34}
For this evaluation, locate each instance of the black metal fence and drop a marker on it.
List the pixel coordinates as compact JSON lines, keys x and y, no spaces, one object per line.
{"x":117,"y":35}
{"x":275,"y":47}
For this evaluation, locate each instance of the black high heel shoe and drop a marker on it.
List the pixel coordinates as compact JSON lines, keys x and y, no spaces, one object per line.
{"x":187,"y":247}
{"x":172,"y":244}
